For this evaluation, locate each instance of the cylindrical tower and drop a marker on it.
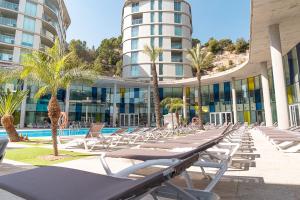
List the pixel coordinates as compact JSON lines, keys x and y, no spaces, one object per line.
{"x":161,"y":23}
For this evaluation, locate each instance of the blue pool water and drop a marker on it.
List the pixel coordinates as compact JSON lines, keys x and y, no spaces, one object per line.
{"x":66,"y":132}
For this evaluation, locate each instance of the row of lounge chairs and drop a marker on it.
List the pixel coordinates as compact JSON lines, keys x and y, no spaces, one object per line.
{"x":284,"y":140}
{"x":209,"y":149}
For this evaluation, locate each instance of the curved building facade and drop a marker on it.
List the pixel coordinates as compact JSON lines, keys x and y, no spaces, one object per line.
{"x":27,"y":25}
{"x":166,"y":24}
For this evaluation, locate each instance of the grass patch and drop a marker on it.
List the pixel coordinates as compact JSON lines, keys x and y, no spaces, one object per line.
{"x":38,"y":156}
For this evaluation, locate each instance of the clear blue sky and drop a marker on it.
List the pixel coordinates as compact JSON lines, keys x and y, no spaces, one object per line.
{"x":94,"y":20}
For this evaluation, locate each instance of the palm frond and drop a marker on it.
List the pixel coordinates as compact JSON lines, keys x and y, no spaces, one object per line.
{"x":152,"y":52}
{"x":10,"y":101}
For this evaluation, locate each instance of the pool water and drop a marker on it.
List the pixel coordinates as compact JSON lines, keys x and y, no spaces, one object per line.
{"x":66,"y":132}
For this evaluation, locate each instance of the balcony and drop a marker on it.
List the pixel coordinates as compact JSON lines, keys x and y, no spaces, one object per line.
{"x":9,"y":5}
{"x":175,"y":45}
{"x":48,"y":35}
{"x":50,"y":21}
{"x":137,"y":21}
{"x":8,"y":21}
{"x":176,"y":57}
{"x":51,"y":6}
{"x":44,"y":47}
{"x":7,"y":39}
{"x":7,"y":57}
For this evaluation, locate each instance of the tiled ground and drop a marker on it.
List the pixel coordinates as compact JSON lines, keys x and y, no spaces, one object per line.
{"x":276,"y":175}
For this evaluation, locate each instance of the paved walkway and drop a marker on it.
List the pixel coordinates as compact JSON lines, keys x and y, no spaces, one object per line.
{"x":276,"y":175}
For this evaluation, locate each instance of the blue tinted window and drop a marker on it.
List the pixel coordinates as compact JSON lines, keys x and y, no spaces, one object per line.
{"x":135,"y":7}
{"x":135,"y":70}
{"x":177,"y":5}
{"x":159,"y":4}
{"x":134,"y":31}
{"x":134,"y":57}
{"x":177,"y":18}
{"x":30,"y":8}
{"x":29,"y":24}
{"x":27,"y":40}
{"x":160,"y":17}
{"x":134,"y":44}
{"x":178,"y":31}
{"x":179,"y":70}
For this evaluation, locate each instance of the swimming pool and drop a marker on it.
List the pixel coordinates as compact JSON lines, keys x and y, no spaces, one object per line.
{"x":66,"y":132}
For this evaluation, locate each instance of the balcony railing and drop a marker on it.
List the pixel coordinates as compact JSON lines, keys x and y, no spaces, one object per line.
{"x":7,"y":39}
{"x":9,"y":5}
{"x":50,"y":20}
{"x":6,"y":57}
{"x":8,"y":21}
{"x":43,"y":47}
{"x":51,"y":6}
{"x":137,"y":21}
{"x":177,"y":59}
{"x":176,"y":45}
{"x":48,"y":34}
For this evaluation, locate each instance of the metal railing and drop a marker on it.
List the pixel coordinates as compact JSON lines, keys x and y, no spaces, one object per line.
{"x":7,"y":39}
{"x":8,"y":21}
{"x":9,"y":5}
{"x":6,"y":57}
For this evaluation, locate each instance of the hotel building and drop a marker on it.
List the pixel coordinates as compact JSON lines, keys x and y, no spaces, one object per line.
{"x":263,"y":89}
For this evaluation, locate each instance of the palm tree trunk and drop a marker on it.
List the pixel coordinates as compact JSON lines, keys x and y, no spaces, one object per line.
{"x":177,"y":118}
{"x":156,"y":96}
{"x":173,"y":123}
{"x":54,"y":113}
{"x":8,"y":123}
{"x":201,"y":127}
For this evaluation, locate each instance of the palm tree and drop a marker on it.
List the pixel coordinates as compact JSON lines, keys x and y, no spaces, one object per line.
{"x":53,"y":71}
{"x":200,"y":59}
{"x":9,"y":103}
{"x":173,"y":105}
{"x":153,"y":53}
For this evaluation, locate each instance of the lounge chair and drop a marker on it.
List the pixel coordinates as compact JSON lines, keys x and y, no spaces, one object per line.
{"x":151,"y":156}
{"x":3,"y":144}
{"x":49,"y":183}
{"x":92,"y":138}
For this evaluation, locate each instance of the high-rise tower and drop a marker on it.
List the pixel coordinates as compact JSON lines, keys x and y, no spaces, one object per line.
{"x":161,"y":23}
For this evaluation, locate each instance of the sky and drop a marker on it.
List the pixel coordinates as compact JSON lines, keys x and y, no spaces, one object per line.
{"x":95,"y":20}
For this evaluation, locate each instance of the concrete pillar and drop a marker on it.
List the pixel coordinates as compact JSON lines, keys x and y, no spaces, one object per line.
{"x":279,"y":80}
{"x":149,"y":106}
{"x":184,"y":103}
{"x":266,"y":94}
{"x":115,"y":106}
{"x":234,"y":103}
{"x":23,"y":107}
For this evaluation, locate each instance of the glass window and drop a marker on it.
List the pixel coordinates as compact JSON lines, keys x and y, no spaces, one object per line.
{"x":152,"y":29}
{"x":152,"y":17}
{"x":177,"y":18}
{"x":161,"y":57}
{"x":27,"y":40}
{"x":135,"y":70}
{"x":30,"y":8}
{"x":134,"y":31}
{"x":135,"y":7}
{"x":160,"y":17}
{"x":134,"y":44}
{"x":159,"y":4}
{"x":178,"y":31}
{"x":160,"y":42}
{"x":179,"y":70}
{"x":134,"y":57}
{"x":152,"y":42}
{"x":160,"y":30}
{"x":161,"y":69}
{"x":177,"y":5}
{"x":152,"y":4}
{"x":29,"y":24}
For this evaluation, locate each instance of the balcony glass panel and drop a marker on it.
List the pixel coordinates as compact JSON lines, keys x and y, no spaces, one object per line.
{"x":9,"y":5}
{"x":48,"y":34}
{"x":137,"y":21}
{"x":51,"y":6}
{"x":176,"y":45}
{"x":176,"y":58}
{"x":7,"y":39}
{"x":8,"y":21}
{"x":6,"y":56}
